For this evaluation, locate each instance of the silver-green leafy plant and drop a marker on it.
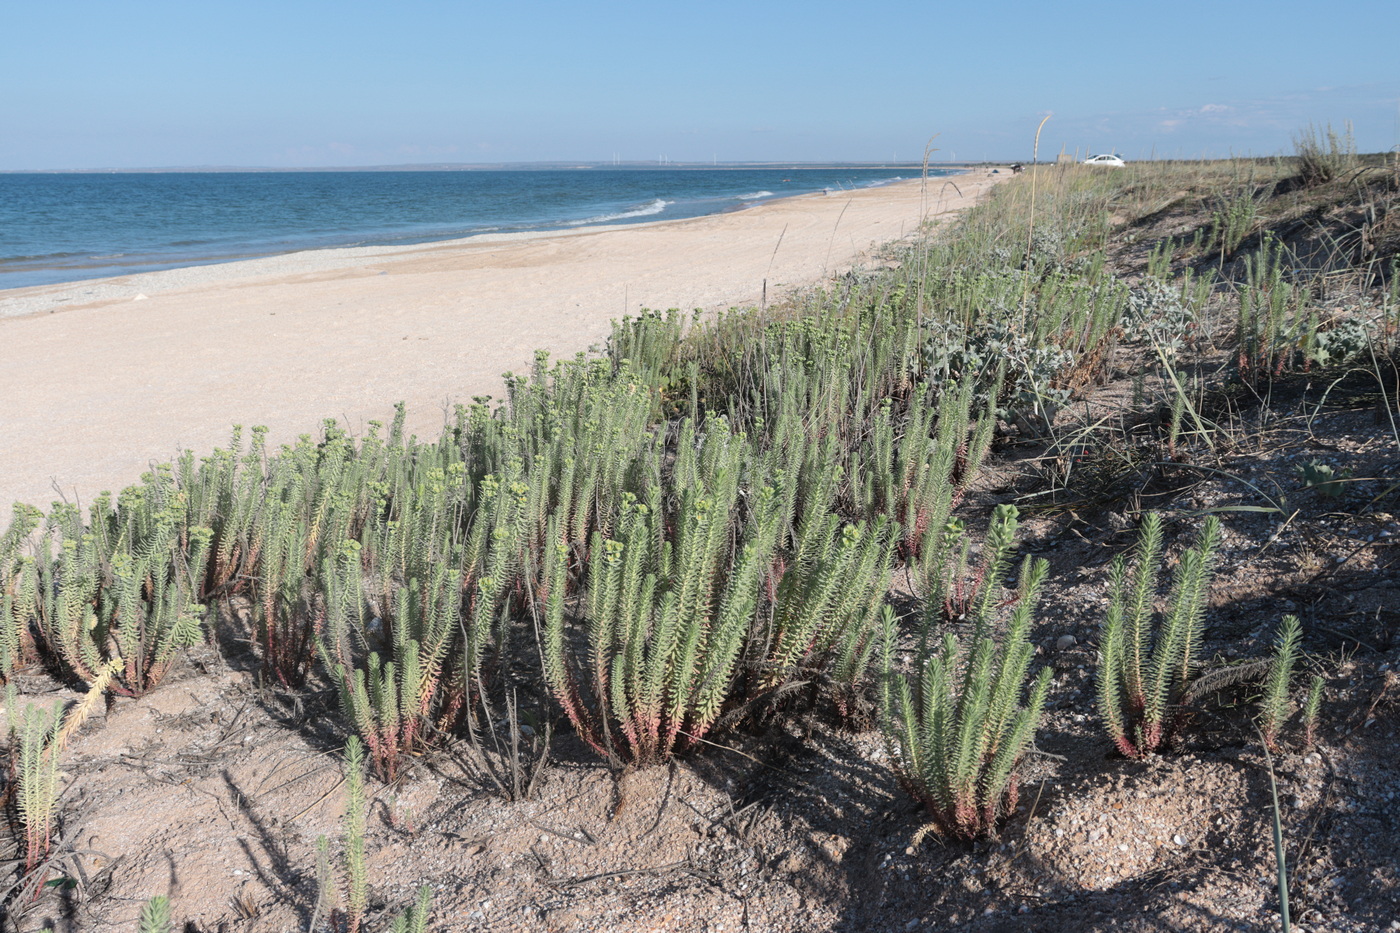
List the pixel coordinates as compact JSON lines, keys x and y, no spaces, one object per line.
{"x":957,"y":725}
{"x":34,"y":733}
{"x":1147,"y":660}
{"x":668,"y":604}
{"x":155,"y":916}
{"x":1274,"y":705}
{"x":346,"y":912}
{"x":19,"y":587}
{"x":415,"y":918}
{"x":37,"y":740}
{"x":125,"y":587}
{"x":1311,"y":706}
{"x":1323,"y":153}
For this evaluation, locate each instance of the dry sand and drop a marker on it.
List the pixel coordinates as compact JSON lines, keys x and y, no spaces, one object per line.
{"x":99,"y":379}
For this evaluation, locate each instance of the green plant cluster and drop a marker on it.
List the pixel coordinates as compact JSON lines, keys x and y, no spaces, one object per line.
{"x":957,"y":726}
{"x":700,"y":525}
{"x":1147,"y":660}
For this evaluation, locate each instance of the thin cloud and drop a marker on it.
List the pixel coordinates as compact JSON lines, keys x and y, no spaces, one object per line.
{"x":1230,"y":126}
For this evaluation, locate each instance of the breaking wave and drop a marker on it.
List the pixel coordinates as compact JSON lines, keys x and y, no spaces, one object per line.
{"x":645,"y":210}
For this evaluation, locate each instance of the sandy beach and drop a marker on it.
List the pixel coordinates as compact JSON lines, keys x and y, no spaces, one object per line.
{"x":101,"y":378}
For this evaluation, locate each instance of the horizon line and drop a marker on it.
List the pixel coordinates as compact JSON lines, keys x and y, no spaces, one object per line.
{"x":487,"y":166}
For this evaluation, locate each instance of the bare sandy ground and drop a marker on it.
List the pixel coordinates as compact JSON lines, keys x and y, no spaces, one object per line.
{"x":100,"y":379}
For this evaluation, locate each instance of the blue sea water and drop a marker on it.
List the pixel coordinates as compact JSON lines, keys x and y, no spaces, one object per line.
{"x":65,"y":227}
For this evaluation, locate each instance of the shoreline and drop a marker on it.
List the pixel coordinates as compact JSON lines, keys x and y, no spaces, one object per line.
{"x":94,"y":397}
{"x":44,"y":298}
{"x":88,"y":264}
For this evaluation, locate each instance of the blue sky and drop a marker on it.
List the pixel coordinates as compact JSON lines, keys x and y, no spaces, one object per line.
{"x":311,"y":83}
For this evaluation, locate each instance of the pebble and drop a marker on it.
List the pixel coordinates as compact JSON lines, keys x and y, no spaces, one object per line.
{"x":1065,"y":643}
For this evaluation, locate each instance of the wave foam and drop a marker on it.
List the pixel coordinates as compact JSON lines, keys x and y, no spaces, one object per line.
{"x":755,"y":195}
{"x":645,"y":210}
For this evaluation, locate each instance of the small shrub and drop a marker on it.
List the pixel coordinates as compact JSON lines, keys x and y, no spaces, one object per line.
{"x":1147,"y":661}
{"x":19,"y":590}
{"x":124,"y":588}
{"x":347,"y":912}
{"x":957,"y":727}
{"x":1274,"y":707}
{"x":1324,"y":154}
{"x":668,"y":604}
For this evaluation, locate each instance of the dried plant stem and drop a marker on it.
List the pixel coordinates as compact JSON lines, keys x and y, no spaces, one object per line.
{"x":1030,"y":227}
{"x":1279,"y":855}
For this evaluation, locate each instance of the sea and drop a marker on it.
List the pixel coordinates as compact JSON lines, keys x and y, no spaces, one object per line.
{"x":62,"y":227}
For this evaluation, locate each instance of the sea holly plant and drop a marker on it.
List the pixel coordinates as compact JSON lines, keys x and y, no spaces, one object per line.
{"x":957,"y":725}
{"x":1147,"y":659}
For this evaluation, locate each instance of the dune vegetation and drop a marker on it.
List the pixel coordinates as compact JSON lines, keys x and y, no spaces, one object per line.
{"x":837,"y":510}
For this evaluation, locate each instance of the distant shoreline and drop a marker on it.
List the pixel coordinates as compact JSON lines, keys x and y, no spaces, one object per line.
{"x":59,"y":296}
{"x":96,"y":227}
{"x":103,"y":378}
{"x":501,"y":166}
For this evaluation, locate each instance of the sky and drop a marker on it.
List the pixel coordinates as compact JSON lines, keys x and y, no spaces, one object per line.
{"x":300,"y":83}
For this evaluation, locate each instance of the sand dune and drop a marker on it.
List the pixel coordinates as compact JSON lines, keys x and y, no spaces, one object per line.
{"x":99,"y":379}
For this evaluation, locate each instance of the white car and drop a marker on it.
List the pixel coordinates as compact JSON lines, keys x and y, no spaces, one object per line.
{"x":1105,"y":160}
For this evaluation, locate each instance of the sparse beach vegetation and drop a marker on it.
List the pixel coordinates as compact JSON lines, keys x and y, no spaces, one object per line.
{"x":862,"y":533}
